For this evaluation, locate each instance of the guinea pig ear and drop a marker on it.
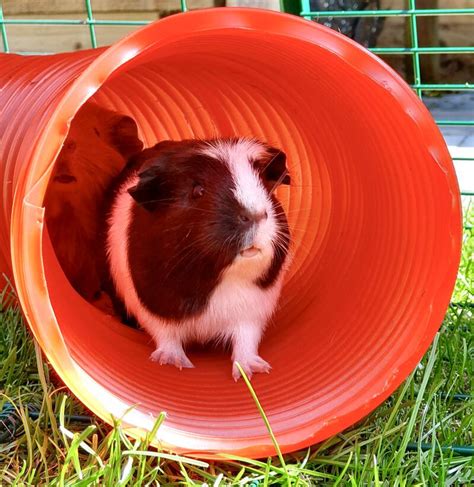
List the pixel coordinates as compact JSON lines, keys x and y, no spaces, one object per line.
{"x":123,"y":135}
{"x":273,"y":168}
{"x":147,"y":191}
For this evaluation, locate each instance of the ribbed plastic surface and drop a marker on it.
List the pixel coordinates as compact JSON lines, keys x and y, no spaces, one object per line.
{"x":373,"y":207}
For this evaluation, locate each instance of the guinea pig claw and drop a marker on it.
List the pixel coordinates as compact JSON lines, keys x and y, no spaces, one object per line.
{"x":236,"y":375}
{"x":172,"y":357}
{"x":250,"y":365}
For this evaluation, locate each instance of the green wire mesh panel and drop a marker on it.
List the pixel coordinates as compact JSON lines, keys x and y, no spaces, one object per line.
{"x":94,"y":22}
{"x":413,"y":48}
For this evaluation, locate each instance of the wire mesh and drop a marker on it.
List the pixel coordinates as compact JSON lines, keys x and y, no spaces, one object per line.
{"x":303,"y":7}
{"x":414,"y":50}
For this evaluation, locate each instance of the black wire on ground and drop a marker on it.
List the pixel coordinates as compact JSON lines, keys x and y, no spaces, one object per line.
{"x":10,"y":425}
{"x":466,"y":451}
{"x":10,"y":420}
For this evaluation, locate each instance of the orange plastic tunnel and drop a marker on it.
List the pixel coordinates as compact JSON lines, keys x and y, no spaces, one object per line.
{"x":374,"y":212}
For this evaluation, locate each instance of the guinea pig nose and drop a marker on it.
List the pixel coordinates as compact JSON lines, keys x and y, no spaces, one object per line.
{"x":263,"y":215}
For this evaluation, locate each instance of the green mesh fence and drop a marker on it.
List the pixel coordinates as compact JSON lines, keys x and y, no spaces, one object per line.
{"x":414,"y":50}
{"x":303,"y":8}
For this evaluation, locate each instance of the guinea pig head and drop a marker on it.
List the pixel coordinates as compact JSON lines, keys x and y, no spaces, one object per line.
{"x":96,"y":149}
{"x":207,"y":207}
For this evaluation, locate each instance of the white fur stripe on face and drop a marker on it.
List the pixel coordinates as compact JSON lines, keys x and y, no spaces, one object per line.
{"x":249,"y":190}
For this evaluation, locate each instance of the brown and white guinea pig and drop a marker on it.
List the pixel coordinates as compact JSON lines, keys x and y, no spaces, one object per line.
{"x":197,"y":245}
{"x":97,"y":147}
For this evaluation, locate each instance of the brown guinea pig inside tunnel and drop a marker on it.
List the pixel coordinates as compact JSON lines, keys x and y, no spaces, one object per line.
{"x":373,"y":212}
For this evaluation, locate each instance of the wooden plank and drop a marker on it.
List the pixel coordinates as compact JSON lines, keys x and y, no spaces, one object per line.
{"x":15,"y":7}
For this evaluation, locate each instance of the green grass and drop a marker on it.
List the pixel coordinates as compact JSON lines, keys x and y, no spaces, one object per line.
{"x":402,"y":443}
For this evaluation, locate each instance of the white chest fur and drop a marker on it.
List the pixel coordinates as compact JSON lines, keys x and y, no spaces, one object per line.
{"x":234,"y":303}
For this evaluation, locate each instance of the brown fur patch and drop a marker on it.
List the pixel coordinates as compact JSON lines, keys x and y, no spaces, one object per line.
{"x":95,"y":151}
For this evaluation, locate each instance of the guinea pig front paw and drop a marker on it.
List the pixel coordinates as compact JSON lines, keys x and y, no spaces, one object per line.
{"x":172,"y":356}
{"x":252,"y":364}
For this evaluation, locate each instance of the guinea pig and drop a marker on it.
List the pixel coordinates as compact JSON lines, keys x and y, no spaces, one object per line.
{"x":97,"y":147}
{"x":197,"y":245}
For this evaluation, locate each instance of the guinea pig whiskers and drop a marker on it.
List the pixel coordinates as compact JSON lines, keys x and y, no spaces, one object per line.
{"x":227,"y":242}
{"x":294,"y":210}
{"x":293,"y":227}
{"x":184,"y":253}
{"x":280,"y":237}
{"x":180,"y":225}
{"x":175,"y":205}
{"x":193,"y":208}
{"x":280,"y":246}
{"x":281,"y":242}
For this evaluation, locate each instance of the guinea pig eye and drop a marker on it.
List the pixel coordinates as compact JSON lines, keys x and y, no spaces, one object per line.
{"x":198,"y":191}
